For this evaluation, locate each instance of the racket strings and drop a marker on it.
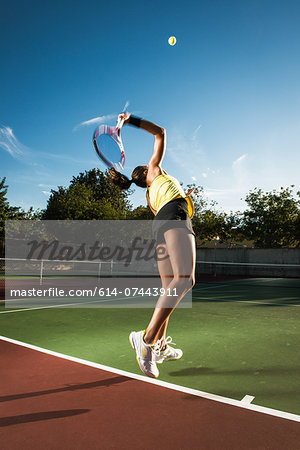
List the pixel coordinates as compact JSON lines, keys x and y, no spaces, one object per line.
{"x":109,"y":147}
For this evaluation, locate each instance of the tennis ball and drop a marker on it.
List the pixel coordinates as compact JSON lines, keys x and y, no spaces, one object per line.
{"x":172,"y":40}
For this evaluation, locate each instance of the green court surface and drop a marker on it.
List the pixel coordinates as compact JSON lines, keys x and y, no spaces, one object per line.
{"x":239,"y":338}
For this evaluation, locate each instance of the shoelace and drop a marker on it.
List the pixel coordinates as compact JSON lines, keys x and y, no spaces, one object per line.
{"x":169,"y":340}
{"x":157,"y":348}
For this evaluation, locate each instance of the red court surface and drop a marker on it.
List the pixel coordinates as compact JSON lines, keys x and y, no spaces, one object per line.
{"x":52,"y":403}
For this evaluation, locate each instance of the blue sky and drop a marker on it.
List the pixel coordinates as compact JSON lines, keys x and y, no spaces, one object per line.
{"x":228,"y":92}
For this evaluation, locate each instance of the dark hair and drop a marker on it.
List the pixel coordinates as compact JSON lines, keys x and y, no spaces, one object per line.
{"x":138,"y":177}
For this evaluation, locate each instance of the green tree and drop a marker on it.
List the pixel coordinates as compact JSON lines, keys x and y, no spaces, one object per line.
{"x":208,"y":222}
{"x":4,"y":212}
{"x":8,"y":212}
{"x":140,"y":213}
{"x":91,"y":195}
{"x":297,"y":227}
{"x":200,"y":202}
{"x":4,"y":205}
{"x":272,"y":218}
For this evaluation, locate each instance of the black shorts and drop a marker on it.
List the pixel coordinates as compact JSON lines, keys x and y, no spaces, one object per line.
{"x":174,"y":214}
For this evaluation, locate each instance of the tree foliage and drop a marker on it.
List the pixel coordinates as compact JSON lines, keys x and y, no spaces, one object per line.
{"x":140,"y":213}
{"x":8,"y":212}
{"x":272,"y":218}
{"x":4,"y":205}
{"x":91,"y":195}
{"x":208,"y":222}
{"x":4,"y":208}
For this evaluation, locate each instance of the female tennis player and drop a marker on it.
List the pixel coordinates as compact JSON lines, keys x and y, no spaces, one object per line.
{"x":174,"y":235}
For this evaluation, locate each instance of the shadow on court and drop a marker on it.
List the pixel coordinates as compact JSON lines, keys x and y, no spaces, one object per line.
{"x":103,"y":383}
{"x":40,"y":416}
{"x":196,"y":371}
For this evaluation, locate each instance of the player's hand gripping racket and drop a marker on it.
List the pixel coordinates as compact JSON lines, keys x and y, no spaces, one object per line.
{"x":108,"y":144}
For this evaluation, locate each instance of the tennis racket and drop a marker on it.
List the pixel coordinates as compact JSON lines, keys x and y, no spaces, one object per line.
{"x":108,"y":145}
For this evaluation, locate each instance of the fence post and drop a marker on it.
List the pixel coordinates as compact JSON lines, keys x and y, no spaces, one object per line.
{"x":41,"y":272}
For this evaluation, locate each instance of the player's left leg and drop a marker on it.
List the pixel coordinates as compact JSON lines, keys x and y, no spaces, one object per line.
{"x":180,"y":248}
{"x":181,"y":251}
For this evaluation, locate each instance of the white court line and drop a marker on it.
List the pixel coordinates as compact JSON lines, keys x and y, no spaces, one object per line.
{"x":56,"y":306}
{"x":262,"y":302}
{"x":64,"y":305}
{"x":175,"y":387}
{"x":102,"y":301}
{"x":210,"y":287}
{"x":247,"y":399}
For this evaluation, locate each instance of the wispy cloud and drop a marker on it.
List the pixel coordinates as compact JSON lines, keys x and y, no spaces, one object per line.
{"x":95,"y":121}
{"x":239,"y":160}
{"x":64,"y":157}
{"x":224,"y":182}
{"x":180,"y":148}
{"x":10,"y":143}
{"x":48,"y":186}
{"x":231,"y":184}
{"x":195,"y":132}
{"x":33,"y":158}
{"x":241,"y":173}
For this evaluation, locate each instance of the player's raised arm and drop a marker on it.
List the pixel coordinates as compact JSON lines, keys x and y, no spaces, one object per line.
{"x":158,"y":132}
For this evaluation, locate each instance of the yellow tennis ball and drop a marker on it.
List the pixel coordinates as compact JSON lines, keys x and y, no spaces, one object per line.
{"x":172,"y":40}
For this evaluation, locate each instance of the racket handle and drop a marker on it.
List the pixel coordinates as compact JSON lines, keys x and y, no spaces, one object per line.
{"x":120,"y":123}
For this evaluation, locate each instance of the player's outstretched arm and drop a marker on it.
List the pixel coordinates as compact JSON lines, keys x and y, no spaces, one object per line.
{"x":159,"y":134}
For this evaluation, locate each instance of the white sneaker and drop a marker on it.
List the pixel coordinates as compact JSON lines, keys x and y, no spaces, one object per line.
{"x":145,"y":354}
{"x":169,"y":353}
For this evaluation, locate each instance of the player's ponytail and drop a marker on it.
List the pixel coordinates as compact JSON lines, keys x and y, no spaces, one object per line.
{"x":138,"y":177}
{"x":119,"y":179}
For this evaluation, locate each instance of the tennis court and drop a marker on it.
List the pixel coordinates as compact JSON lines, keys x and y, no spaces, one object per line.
{"x":241,"y":348}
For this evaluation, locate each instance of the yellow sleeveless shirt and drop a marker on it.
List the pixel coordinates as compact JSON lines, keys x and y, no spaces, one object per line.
{"x":165,"y":188}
